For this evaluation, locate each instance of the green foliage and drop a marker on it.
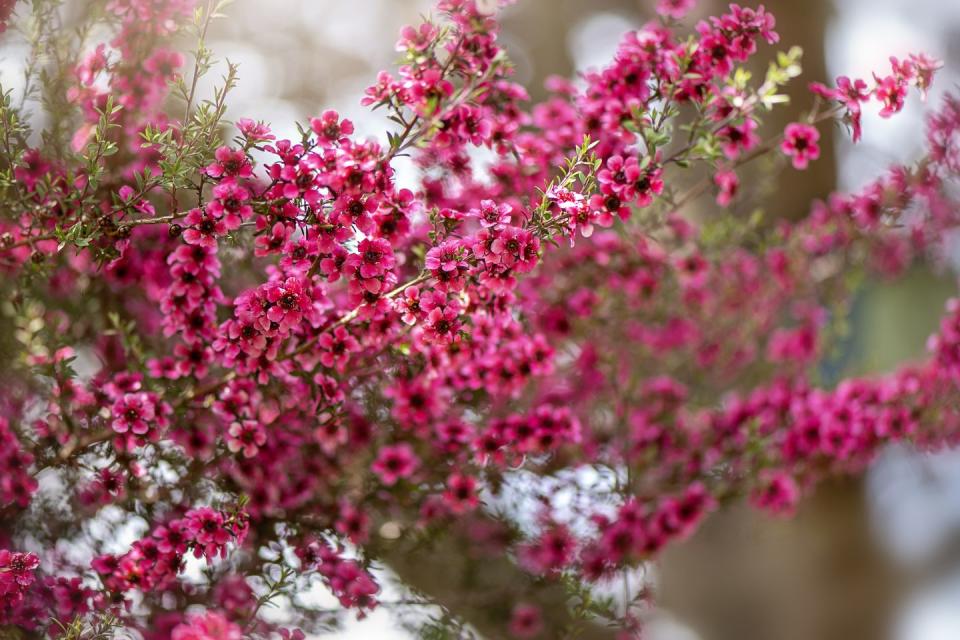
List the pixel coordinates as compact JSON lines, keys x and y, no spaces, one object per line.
{"x":98,"y":627}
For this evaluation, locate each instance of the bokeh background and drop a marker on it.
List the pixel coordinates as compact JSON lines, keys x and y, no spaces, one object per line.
{"x":877,"y":557}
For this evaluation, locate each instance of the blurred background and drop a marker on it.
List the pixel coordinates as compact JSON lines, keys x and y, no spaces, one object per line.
{"x":876,"y":557}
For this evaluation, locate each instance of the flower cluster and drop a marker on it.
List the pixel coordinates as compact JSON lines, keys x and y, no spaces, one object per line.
{"x":17,"y":484}
{"x":890,"y":90}
{"x":16,"y":575}
{"x":371,"y":371}
{"x":153,"y":563}
{"x":352,"y":585}
{"x":207,"y":626}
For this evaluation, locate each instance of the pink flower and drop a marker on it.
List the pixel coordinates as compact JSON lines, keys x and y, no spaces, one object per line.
{"x":336,"y":346}
{"x":572,"y":205}
{"x":205,"y":526}
{"x":728,"y":183}
{"x":678,"y":517}
{"x":209,"y":625}
{"x":16,"y":574}
{"x":193,"y":358}
{"x":737,"y":139}
{"x":72,"y":598}
{"x":209,"y":531}
{"x":163,"y":63}
{"x":607,"y":208}
{"x":648,"y":185}
{"x":551,"y":552}
{"x":203,"y":228}
{"x":618,"y":176}
{"x":230,"y":204}
{"x":394,"y":463}
{"x":330,"y":129}
{"x":461,"y":493}
{"x":447,"y":263}
{"x":275,"y":308}
{"x":526,"y":621}
{"x":254,"y":132}
{"x":417,"y":40}
{"x":891,"y":91}
{"x":230,"y":163}
{"x":91,"y":65}
{"x":493,"y":215}
{"x":675,"y":9}
{"x":380,"y":92}
{"x":354,"y":209}
{"x":274,"y":241}
{"x":439,"y":337}
{"x":442,"y":323}
{"x":246,"y":436}
{"x":353,"y":523}
{"x":171,"y":538}
{"x":350,"y":583}
{"x":373,"y":258}
{"x":138,"y":413}
{"x":515,"y":248}
{"x":371,"y":273}
{"x":31,"y":169}
{"x":852,"y":93}
{"x":777,"y":493}
{"x":800,"y":143}
{"x":743,"y":25}
{"x":334,"y":263}
{"x":408,"y":304}
{"x":924,"y":67}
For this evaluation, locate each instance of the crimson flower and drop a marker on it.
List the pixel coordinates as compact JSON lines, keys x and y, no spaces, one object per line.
{"x":800,"y":143}
{"x":395,"y":463}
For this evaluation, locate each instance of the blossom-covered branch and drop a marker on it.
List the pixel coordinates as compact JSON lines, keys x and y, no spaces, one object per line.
{"x":279,"y":366}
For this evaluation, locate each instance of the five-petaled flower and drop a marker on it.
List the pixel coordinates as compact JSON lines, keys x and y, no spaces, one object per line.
{"x":395,"y":463}
{"x":800,"y":142}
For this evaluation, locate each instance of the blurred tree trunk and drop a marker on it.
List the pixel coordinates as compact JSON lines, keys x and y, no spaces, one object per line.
{"x":820,"y":575}
{"x":816,"y":576}
{"x":536,"y":34}
{"x":799,"y":24}
{"x":480,"y":585}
